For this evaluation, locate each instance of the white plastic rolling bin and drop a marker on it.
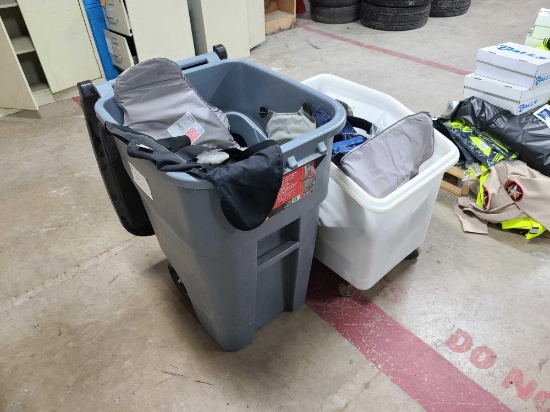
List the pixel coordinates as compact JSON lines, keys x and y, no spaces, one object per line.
{"x":362,"y":238}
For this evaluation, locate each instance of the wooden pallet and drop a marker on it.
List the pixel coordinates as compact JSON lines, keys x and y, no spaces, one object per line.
{"x":452,"y":181}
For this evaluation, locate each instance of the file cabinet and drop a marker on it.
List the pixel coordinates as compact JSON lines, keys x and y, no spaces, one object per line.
{"x":138,"y":30}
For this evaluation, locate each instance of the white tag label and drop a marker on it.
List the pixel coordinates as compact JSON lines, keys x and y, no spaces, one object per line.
{"x":109,"y":45}
{"x":543,"y":114}
{"x":141,"y":181}
{"x":186,"y":125}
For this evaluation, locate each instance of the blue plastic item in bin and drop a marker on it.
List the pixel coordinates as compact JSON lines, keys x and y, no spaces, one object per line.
{"x":346,"y":146}
{"x":236,"y":281}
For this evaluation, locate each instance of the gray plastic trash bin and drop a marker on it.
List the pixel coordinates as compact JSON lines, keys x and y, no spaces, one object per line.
{"x":236,"y":281}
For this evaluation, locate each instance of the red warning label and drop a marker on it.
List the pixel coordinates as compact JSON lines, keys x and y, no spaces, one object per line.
{"x":296,"y":185}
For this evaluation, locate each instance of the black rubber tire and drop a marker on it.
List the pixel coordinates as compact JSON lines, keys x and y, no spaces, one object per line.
{"x":449,"y":8}
{"x":336,"y":15}
{"x":334,"y":3}
{"x":121,"y":189}
{"x":400,"y":3}
{"x":394,"y":18}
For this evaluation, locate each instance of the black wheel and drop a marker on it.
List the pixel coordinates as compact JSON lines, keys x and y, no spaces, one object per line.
{"x":121,"y":189}
{"x":394,"y":18}
{"x":335,"y":15}
{"x":177,"y":280}
{"x":334,"y":3}
{"x":345,"y":290}
{"x":400,"y":3}
{"x":414,"y":254}
{"x":449,"y":8}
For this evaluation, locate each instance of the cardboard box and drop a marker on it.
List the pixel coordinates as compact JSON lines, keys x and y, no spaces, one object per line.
{"x":511,"y":97}
{"x":541,"y":32}
{"x":533,"y":41}
{"x":543,"y":18}
{"x":515,"y":63}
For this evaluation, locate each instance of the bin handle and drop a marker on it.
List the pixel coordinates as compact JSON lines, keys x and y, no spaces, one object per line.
{"x":219,"y":53}
{"x":292,"y":163}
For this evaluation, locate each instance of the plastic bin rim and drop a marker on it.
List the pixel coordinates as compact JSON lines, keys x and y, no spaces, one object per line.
{"x":106,"y":92}
{"x":403,"y":193}
{"x":342,"y":80}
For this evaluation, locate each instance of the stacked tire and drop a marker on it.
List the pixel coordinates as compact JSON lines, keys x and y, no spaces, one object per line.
{"x":335,"y":11}
{"x":449,"y":8}
{"x":395,"y":15}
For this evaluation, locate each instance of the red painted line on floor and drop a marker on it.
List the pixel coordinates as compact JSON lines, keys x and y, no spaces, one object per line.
{"x":404,"y":56}
{"x":420,"y":371}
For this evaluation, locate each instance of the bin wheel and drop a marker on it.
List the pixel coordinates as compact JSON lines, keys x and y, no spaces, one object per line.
{"x":177,"y":280}
{"x":345,"y":289}
{"x":414,"y":254}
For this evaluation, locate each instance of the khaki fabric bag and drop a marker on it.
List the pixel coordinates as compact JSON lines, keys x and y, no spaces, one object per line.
{"x":512,"y":190}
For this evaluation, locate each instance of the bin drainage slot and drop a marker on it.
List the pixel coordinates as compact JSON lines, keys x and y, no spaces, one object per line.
{"x":276,"y":254}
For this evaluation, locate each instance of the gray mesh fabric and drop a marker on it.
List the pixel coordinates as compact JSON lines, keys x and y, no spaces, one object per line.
{"x":284,"y":127}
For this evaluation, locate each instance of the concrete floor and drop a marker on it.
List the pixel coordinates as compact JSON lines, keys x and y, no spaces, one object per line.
{"x":90,"y":319}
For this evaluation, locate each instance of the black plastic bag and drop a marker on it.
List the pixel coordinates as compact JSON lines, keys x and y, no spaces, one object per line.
{"x":524,"y":133}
